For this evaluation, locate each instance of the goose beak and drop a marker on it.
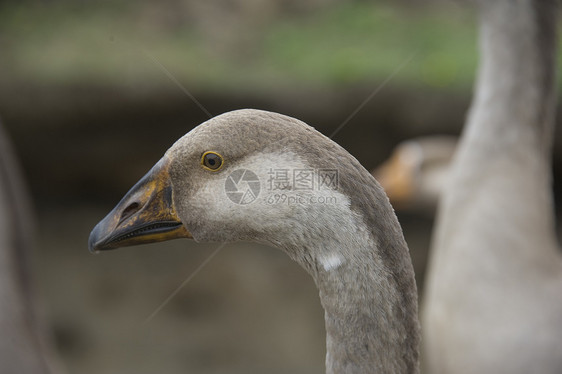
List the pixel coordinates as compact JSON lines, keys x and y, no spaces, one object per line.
{"x":395,"y":176}
{"x":145,"y":215}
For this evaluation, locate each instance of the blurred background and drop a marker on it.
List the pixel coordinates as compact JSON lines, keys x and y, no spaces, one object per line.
{"x":94,"y":92}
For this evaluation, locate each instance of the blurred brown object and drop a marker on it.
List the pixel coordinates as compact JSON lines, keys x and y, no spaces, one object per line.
{"x":23,"y":347}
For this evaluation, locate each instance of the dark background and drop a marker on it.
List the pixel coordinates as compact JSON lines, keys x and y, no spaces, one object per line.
{"x":94,"y":92}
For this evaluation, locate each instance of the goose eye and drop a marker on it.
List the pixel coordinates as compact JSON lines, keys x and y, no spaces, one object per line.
{"x":211,"y":161}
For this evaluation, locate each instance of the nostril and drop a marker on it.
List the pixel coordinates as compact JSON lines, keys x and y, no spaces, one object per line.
{"x":130,"y":210}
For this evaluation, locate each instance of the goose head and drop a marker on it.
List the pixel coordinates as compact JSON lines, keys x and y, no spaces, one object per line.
{"x":259,"y":176}
{"x":254,"y":176}
{"x":414,"y":175}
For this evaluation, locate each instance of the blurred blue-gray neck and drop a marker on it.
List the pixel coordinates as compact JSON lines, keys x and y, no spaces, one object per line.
{"x":511,"y":124}
{"x":516,"y":85}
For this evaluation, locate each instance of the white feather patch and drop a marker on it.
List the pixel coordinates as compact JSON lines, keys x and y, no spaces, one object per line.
{"x":333,"y":261}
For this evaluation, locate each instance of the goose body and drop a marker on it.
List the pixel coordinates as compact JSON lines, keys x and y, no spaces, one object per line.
{"x":493,"y":301}
{"x":345,"y":234}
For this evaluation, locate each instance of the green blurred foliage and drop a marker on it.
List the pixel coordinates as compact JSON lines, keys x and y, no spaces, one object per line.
{"x":354,"y":43}
{"x":338,"y":44}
